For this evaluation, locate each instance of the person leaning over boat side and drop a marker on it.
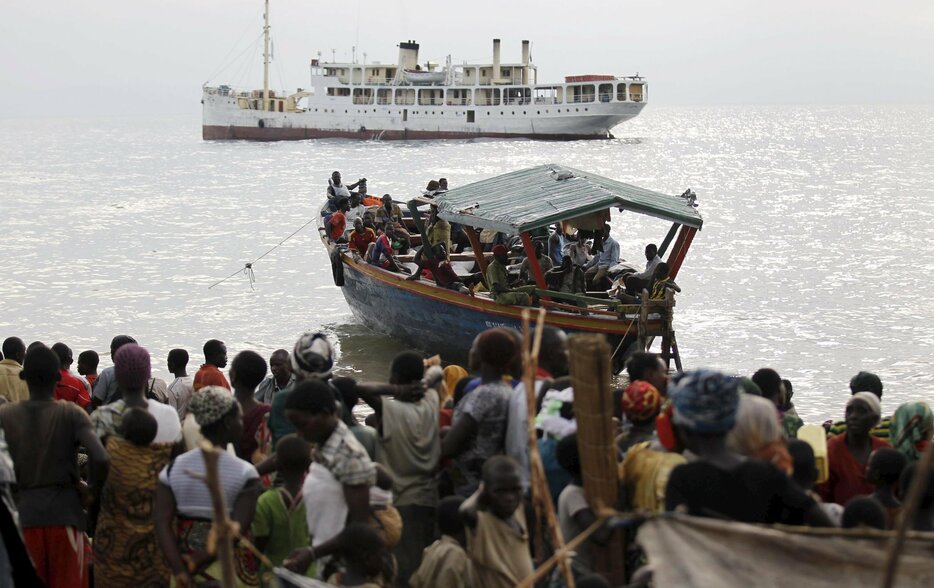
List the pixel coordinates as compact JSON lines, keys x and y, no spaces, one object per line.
{"x":722,"y":483}
{"x":635,"y":282}
{"x":498,"y":279}
{"x":595,"y":272}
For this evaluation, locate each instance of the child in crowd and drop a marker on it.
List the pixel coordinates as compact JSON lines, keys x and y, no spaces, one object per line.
{"x":138,"y":427}
{"x":805,"y":477}
{"x":883,"y":471}
{"x":279,"y":525}
{"x":924,"y":518}
{"x":444,"y":562}
{"x":863,"y":512}
{"x":87,"y":365}
{"x":497,"y":535}
{"x":365,"y":558}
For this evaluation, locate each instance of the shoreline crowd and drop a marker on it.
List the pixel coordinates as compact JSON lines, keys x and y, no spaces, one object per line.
{"x":101,"y":473}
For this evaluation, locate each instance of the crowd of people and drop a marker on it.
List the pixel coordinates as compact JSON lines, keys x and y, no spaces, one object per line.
{"x":102,"y":475}
{"x":572,"y":260}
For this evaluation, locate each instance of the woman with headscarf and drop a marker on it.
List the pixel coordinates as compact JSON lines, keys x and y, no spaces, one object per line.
{"x":758,"y":434}
{"x":848,"y":453}
{"x":721,"y":483}
{"x":641,"y":403}
{"x":184,"y":510}
{"x":912,"y":429}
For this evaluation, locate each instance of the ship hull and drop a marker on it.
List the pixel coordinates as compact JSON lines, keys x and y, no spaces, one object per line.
{"x":224,"y":120}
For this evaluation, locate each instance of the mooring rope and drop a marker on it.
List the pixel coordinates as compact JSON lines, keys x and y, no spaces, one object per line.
{"x":247,"y":268}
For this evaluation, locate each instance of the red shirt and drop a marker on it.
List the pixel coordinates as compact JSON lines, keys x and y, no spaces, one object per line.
{"x":442,"y":272}
{"x":90,"y":378}
{"x":72,"y":389}
{"x":338,"y":224}
{"x":360,"y":242}
{"x":209,"y":375}
{"x":847,"y":476}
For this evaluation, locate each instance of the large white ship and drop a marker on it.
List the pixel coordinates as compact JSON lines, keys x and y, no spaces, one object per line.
{"x":408,"y":101}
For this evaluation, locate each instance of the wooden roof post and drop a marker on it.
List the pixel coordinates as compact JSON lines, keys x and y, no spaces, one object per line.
{"x":533,"y":262}
{"x":477,"y":247}
{"x":667,"y":241}
{"x":680,"y":250}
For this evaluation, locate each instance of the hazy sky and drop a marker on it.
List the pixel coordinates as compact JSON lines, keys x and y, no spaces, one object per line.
{"x":72,"y":57}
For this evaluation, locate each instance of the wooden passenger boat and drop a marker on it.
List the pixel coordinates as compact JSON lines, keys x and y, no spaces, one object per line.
{"x":438,"y":320}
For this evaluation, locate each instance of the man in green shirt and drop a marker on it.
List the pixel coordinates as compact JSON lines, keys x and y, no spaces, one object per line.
{"x":497,"y":278}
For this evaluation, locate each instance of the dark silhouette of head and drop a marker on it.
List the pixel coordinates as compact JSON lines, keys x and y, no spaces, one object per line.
{"x":866,"y":382}
{"x":15,"y":349}
{"x":407,"y":367}
{"x":247,"y":370}
{"x":863,"y":511}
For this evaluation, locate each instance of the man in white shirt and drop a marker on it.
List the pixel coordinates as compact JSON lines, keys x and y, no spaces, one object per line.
{"x":635,"y":283}
{"x":180,"y":390}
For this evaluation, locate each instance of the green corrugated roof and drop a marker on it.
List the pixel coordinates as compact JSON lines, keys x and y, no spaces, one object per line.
{"x":537,"y":197}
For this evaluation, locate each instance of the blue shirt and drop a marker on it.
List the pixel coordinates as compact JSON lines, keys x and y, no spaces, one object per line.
{"x":608,"y":257}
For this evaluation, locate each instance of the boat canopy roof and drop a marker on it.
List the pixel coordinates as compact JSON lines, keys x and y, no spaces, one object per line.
{"x":539,"y":196}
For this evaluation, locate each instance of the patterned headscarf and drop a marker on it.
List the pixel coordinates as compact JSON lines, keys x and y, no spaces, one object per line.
{"x":912,"y":425}
{"x":312,"y":356}
{"x":705,"y":401}
{"x":210,"y":404}
{"x":641,"y":401}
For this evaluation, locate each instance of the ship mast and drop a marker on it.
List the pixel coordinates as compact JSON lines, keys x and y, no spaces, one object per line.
{"x":266,"y":57}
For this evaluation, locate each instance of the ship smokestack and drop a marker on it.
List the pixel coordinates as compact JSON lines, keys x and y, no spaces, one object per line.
{"x":525,"y":62}
{"x":496,"y":71}
{"x":408,"y":55}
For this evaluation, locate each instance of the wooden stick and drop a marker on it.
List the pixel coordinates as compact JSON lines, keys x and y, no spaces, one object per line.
{"x":224,"y":531}
{"x":541,"y":497}
{"x":560,"y":555}
{"x":918,"y":486}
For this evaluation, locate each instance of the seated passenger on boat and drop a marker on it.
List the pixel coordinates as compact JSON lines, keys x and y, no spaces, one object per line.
{"x":441,"y":270}
{"x":635,"y":282}
{"x":438,"y":230}
{"x":567,"y":277}
{"x":360,"y":237}
{"x":382,"y":252}
{"x":497,"y":277}
{"x":661,"y":283}
{"x":431,"y":189}
{"x":600,"y":264}
{"x":577,"y":249}
{"x":402,"y":240}
{"x":388,"y":211}
{"x":525,"y":269}
{"x":356,"y":209}
{"x":337,"y":223}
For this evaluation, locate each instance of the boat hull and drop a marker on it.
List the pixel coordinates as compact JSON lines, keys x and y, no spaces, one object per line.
{"x":442,"y":321}
{"x":223,"y":119}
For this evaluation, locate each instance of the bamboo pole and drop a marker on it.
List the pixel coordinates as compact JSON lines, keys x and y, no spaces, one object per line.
{"x":915,"y":493}
{"x":541,"y":497}
{"x":224,"y":530}
{"x":591,"y":377}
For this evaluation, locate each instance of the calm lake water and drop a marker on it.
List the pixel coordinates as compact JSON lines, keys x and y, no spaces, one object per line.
{"x":815,"y":257}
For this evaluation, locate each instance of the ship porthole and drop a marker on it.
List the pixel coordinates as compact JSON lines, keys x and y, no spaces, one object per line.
{"x":262,"y":123}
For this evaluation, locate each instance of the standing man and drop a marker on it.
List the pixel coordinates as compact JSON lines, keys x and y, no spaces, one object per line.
{"x":600,"y":264}
{"x":209,"y":374}
{"x":280,"y":377}
{"x":11,"y":386}
{"x":49,"y":501}
{"x":636,"y":282}
{"x":182,"y":387}
{"x":105,"y":387}
{"x":411,"y":449}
